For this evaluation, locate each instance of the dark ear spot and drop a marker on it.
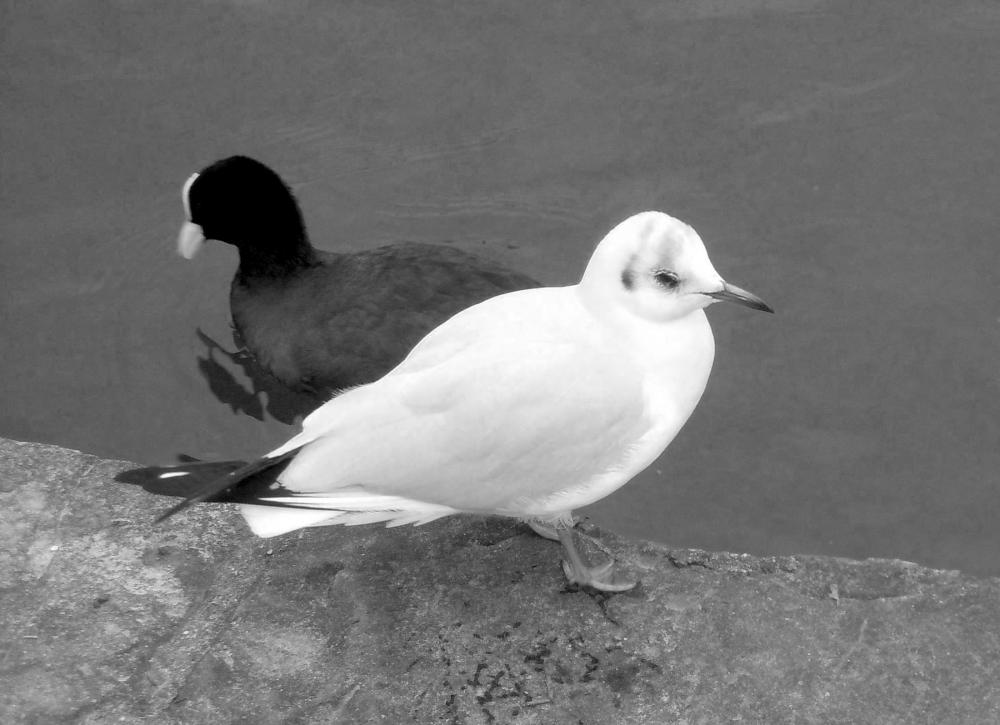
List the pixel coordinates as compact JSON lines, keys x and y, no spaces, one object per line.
{"x":628,"y":274}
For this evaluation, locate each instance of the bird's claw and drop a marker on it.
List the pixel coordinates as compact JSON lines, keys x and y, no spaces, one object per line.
{"x":599,"y":577}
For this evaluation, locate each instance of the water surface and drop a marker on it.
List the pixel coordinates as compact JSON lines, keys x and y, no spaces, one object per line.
{"x":839,"y":159}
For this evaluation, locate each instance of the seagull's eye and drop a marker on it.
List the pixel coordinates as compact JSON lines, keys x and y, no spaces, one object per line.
{"x":667,"y":279}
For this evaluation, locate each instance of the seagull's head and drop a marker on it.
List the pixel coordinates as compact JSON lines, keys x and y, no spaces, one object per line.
{"x":239,"y":201}
{"x":656,"y":267}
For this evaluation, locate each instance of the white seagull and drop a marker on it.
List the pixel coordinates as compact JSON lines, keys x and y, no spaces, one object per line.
{"x":530,"y":405}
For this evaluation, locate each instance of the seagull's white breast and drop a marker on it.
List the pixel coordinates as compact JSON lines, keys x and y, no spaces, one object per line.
{"x":676,"y":360}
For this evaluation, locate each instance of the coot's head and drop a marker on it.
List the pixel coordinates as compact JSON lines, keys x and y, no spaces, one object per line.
{"x":242,"y":202}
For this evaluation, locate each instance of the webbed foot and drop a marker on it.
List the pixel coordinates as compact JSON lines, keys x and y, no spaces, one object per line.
{"x":579,"y":571}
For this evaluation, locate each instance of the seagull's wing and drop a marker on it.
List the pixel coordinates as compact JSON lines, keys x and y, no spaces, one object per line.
{"x":494,"y":411}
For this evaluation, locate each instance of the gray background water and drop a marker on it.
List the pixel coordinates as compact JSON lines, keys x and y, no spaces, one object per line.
{"x":839,"y":158}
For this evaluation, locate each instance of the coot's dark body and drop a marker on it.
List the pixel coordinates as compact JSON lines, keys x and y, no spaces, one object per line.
{"x":323,"y":321}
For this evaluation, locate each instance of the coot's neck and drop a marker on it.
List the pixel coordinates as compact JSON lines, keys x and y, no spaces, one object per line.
{"x":276,"y":257}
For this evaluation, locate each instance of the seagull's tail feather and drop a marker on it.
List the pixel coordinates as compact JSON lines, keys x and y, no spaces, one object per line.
{"x":272,"y":514}
{"x":270,"y":508}
{"x":230,"y":481}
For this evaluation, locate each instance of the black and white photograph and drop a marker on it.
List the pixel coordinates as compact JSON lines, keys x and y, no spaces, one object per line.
{"x":499,"y":362}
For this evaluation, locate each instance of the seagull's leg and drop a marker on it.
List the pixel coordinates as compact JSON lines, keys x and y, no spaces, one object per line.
{"x":578,"y":571}
{"x":547,"y":530}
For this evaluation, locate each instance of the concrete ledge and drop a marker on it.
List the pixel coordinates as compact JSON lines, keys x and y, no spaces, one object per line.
{"x":104,"y":618}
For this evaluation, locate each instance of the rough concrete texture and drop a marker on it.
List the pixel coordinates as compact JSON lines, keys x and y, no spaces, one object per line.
{"x":106,"y":618}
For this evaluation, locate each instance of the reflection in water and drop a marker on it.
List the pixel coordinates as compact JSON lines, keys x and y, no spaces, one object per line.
{"x":284,"y":405}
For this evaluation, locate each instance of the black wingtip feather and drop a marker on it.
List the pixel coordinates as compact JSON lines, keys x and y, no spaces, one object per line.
{"x":176,"y":508}
{"x":208,"y":481}
{"x":158,"y":479}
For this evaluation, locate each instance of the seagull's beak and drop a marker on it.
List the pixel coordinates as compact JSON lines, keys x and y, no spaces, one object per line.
{"x":190,"y":239}
{"x":732,"y":293}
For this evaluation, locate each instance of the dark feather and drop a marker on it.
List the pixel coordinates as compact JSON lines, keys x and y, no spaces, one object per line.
{"x":219,"y":481}
{"x":200,"y":475}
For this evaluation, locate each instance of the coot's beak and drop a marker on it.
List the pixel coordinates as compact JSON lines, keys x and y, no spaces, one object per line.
{"x":190,"y":239}
{"x":732,"y":293}
{"x":192,"y":236}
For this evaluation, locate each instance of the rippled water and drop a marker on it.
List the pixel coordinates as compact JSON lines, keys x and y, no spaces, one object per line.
{"x":839,"y":158}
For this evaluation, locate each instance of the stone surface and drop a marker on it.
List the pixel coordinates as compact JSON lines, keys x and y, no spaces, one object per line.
{"x":105,"y":618}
